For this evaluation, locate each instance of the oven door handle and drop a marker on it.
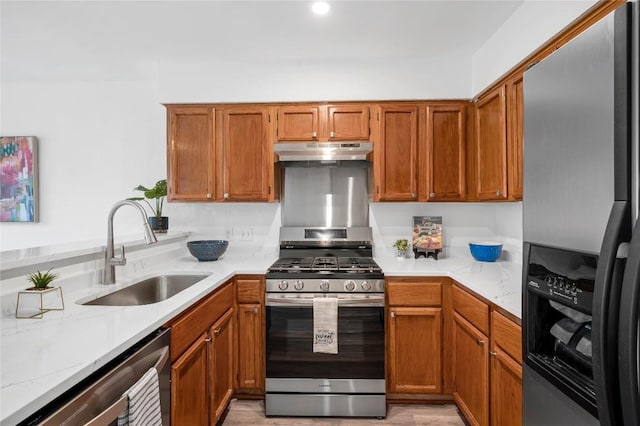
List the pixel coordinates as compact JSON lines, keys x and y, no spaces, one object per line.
{"x":373,"y":301}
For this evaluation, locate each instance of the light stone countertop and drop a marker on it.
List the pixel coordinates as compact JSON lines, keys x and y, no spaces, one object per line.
{"x":41,"y":359}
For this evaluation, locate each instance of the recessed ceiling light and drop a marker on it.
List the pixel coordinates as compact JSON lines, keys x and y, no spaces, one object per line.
{"x":320,"y":7}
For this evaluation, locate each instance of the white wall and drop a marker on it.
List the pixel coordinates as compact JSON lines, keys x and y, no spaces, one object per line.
{"x":529,"y":27}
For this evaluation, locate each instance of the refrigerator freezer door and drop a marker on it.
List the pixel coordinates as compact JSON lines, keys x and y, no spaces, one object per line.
{"x":569,"y":143}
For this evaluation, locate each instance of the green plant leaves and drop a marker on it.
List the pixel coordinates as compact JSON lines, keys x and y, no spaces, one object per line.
{"x":42,"y":280}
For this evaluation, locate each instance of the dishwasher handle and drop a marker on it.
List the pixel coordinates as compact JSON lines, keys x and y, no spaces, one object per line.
{"x":110,"y":414}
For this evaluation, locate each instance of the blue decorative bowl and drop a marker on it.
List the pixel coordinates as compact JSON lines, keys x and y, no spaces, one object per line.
{"x":207,"y":250}
{"x":485,"y":251}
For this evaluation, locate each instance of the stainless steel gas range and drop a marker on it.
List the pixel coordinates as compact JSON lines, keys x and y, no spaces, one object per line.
{"x":325,"y":263}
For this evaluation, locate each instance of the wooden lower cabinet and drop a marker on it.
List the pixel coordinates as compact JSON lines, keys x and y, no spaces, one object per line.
{"x":415,"y":350}
{"x":221,"y":365}
{"x":250,"y":355}
{"x":250,"y":348}
{"x":506,"y":389}
{"x":471,"y":371}
{"x":189,"y":385}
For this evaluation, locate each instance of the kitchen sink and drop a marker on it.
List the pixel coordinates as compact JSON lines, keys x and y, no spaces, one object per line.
{"x":148,"y":291}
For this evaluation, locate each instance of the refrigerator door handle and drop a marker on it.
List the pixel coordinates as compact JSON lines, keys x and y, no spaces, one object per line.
{"x":606,"y":298}
{"x":628,"y":334}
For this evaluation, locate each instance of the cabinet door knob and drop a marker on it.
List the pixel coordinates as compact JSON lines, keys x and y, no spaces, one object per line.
{"x":314,"y":134}
{"x":226,"y":196}
{"x":216,"y":331}
{"x":255,"y":310}
{"x":208,"y":195}
{"x":492,"y":353}
{"x":208,"y":339}
{"x":393,"y":314}
{"x":498,"y":193}
{"x":332,"y":134}
{"x":432,"y":194}
{"x":480,"y":342}
{"x":413,"y":195}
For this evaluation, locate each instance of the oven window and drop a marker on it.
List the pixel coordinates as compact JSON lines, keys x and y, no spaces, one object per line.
{"x":360,"y":344}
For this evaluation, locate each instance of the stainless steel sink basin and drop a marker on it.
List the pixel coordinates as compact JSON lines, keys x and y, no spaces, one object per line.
{"x":152,"y":290}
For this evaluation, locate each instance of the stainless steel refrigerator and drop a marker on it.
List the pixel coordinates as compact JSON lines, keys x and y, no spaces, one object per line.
{"x":581,"y":266}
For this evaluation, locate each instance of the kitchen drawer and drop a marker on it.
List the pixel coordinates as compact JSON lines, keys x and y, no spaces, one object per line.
{"x":471,"y":308}
{"x":507,"y":334}
{"x":189,"y":326}
{"x":414,"y":292}
{"x":249,"y":290}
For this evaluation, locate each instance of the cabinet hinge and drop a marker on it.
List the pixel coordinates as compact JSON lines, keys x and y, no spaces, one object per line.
{"x":269,"y":118}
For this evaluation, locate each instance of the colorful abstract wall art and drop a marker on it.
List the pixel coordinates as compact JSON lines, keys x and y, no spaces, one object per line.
{"x":18,"y":179}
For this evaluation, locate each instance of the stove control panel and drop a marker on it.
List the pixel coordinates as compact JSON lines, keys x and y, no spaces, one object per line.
{"x":334,"y":285}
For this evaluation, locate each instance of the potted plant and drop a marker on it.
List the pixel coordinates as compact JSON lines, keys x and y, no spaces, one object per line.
{"x":41,"y":281}
{"x":401,"y":247}
{"x":157,"y":222}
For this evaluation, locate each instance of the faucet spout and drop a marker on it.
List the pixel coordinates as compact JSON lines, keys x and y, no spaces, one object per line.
{"x":110,"y":261}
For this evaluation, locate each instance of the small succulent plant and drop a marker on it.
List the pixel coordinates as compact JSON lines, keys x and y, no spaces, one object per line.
{"x":401,"y":245}
{"x":41,"y":280}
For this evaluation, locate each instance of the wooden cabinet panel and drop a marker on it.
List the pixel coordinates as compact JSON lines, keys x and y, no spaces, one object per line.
{"x":415,"y":350}
{"x":348,"y":122}
{"x":471,"y":371}
{"x":250,"y":290}
{"x":471,"y":308}
{"x":414,"y":293}
{"x":221,"y":365}
{"x":187,"y":327}
{"x":298,"y":123}
{"x":491,"y":146}
{"x":397,"y":152}
{"x":515,"y":131}
{"x":507,"y":334}
{"x":245,"y":154}
{"x":251,"y":347}
{"x":506,"y":389}
{"x":445,"y":148}
{"x":190,"y":153}
{"x":189,"y":391}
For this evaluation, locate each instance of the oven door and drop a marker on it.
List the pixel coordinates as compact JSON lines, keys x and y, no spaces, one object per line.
{"x":289,"y":336}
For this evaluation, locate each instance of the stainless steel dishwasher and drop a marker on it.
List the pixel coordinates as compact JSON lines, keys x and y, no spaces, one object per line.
{"x":98,"y":400}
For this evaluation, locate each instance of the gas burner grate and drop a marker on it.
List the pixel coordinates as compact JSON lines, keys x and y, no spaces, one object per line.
{"x":325,"y":264}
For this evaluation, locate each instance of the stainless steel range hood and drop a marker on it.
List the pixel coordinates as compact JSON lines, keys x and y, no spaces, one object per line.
{"x":323,"y":151}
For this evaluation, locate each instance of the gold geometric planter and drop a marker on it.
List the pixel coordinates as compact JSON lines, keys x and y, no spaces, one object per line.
{"x":37,"y":296}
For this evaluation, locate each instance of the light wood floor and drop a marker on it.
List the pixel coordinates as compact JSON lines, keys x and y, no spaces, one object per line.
{"x":243,"y":412}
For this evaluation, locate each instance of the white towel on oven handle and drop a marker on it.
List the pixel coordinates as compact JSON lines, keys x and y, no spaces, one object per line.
{"x":325,"y":325}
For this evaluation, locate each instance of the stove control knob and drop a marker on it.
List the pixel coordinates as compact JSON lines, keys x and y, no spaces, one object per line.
{"x":366,"y":286}
{"x":350,"y":285}
{"x":283,"y":285}
{"x":298,"y":285}
{"x":324,"y":285}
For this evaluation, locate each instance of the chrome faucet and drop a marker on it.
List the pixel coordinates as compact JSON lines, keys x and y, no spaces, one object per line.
{"x":110,"y":261}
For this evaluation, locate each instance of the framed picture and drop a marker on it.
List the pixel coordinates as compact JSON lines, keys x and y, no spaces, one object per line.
{"x":427,"y":232}
{"x":18,"y":179}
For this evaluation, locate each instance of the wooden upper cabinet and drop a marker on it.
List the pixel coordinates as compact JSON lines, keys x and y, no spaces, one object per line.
{"x":491,"y":145}
{"x":245,"y":176}
{"x":298,"y":123}
{"x":348,"y":122}
{"x":397,"y":153}
{"x":515,"y":132}
{"x":190,"y":152}
{"x":444,"y":166}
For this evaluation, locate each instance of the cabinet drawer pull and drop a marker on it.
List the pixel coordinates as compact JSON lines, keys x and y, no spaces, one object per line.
{"x":480,"y":342}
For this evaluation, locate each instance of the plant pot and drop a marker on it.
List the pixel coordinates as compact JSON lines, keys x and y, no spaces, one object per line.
{"x":159,"y":224}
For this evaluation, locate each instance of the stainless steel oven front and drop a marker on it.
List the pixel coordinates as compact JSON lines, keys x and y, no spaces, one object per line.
{"x":300,"y":382}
